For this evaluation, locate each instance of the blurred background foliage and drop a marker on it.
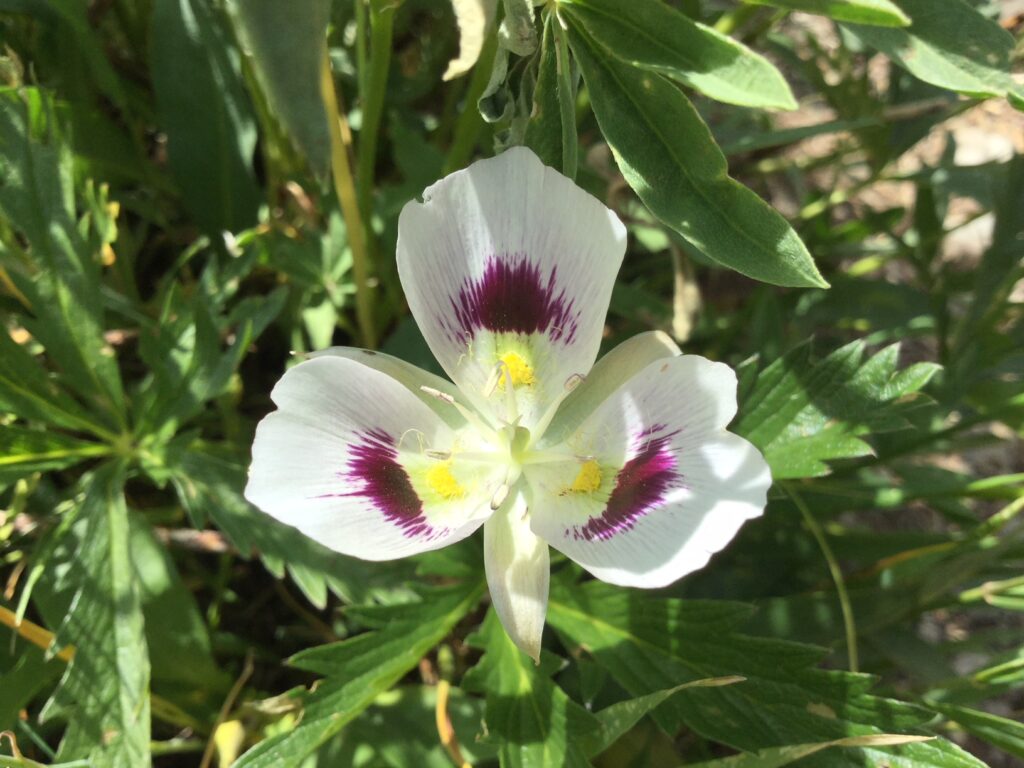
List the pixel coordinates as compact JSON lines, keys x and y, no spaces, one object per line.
{"x":192,"y":191}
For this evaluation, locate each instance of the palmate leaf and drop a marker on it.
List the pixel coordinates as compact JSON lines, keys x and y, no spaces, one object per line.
{"x":652,"y":35}
{"x":951,"y":45}
{"x":24,"y":451}
{"x":1001,"y":732}
{"x":668,"y":156}
{"x":358,"y":669}
{"x":646,"y":642}
{"x":529,"y":718}
{"x":63,"y":284}
{"x":105,"y":692}
{"x":802,"y":413}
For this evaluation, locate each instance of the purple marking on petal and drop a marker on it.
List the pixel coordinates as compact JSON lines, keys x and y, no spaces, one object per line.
{"x":374,"y":462}
{"x":512,"y":296}
{"x":639,"y":487}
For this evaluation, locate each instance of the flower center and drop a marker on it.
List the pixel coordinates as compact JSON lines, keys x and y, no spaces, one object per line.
{"x":443,"y":482}
{"x":588,"y":479}
{"x":519,"y":371}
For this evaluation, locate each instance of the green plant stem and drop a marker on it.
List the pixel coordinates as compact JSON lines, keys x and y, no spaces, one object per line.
{"x":382,"y":24}
{"x":467,"y":129}
{"x":344,"y":187}
{"x":837,"y":576}
{"x":990,"y":589}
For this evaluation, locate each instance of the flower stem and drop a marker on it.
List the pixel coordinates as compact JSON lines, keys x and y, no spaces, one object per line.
{"x":837,"y":575}
{"x":344,"y":187}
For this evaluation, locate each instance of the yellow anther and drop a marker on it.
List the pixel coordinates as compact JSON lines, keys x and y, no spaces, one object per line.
{"x":520,"y":371}
{"x":443,"y":482}
{"x":588,"y":479}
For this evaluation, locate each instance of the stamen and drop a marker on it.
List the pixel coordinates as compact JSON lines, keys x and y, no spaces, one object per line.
{"x":545,"y":421}
{"x":499,"y":496}
{"x":440,"y":455}
{"x":475,"y":421}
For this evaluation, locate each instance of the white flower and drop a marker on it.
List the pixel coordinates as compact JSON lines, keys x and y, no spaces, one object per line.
{"x":624,"y":466}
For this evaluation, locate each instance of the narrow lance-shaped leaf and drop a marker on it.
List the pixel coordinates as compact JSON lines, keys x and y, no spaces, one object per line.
{"x":951,"y":45}
{"x":654,"y":36}
{"x":206,"y":113}
{"x":883,"y":13}
{"x":668,"y":155}
{"x":286,"y":42}
{"x":23,"y":451}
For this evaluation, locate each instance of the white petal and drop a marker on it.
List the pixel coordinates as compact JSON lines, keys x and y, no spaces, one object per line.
{"x":408,"y":375}
{"x":518,"y":569}
{"x":667,"y":485}
{"x":342,"y":460}
{"x":510,"y":258}
{"x":607,"y":375}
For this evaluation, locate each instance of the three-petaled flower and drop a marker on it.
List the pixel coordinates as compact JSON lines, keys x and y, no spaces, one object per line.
{"x":624,"y":466}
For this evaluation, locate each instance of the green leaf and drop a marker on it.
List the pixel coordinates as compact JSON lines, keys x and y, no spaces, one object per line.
{"x":616,"y":719}
{"x":30,"y":672}
{"x":24,"y":451}
{"x":105,"y":691}
{"x":652,"y":35}
{"x":802,"y":413}
{"x":287,"y":43}
{"x":883,"y":13}
{"x":528,"y":717}
{"x":646,"y":642}
{"x":206,"y":114}
{"x":63,"y":286}
{"x":359,"y":669}
{"x":544,"y":131}
{"x":1001,"y":732}
{"x":951,"y":45}
{"x":184,"y":671}
{"x":780,"y":756}
{"x":669,"y":157}
{"x":27,"y":391}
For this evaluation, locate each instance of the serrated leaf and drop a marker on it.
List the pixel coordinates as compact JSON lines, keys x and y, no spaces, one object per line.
{"x":646,"y":642}
{"x":105,"y":690}
{"x":652,"y":35}
{"x":668,"y":156}
{"x":618,"y":718}
{"x":362,"y":667}
{"x":528,"y":717}
{"x":24,"y":451}
{"x":286,"y":42}
{"x":27,"y":391}
{"x":196,"y":71}
{"x":948,"y":44}
{"x":802,"y":413}
{"x":883,"y":13}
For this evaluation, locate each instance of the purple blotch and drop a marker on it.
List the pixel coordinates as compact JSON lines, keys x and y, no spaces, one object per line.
{"x":639,"y":487}
{"x":512,"y":296}
{"x":373,"y":461}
